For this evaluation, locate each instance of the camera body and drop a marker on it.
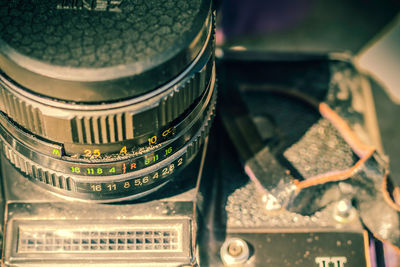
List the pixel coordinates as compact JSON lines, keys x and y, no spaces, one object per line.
{"x":266,"y":185}
{"x":43,"y":229}
{"x":104,"y":102}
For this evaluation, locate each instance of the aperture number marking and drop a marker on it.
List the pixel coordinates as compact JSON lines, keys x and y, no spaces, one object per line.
{"x":114,"y":187}
{"x":168,"y":170}
{"x":97,"y":171}
{"x":95,"y":153}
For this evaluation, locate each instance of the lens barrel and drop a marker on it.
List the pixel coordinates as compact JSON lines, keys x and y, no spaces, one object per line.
{"x":118,"y":120}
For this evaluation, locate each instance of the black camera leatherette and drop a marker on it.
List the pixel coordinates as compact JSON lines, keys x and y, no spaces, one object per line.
{"x":88,"y":38}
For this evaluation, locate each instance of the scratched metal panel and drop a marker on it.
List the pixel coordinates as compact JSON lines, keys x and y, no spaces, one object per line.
{"x":313,"y":249}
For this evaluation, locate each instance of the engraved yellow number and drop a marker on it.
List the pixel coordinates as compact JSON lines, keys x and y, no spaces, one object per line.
{"x":145,"y":179}
{"x":165,"y":171}
{"x":152,"y":140}
{"x":98,"y":170}
{"x":96,"y":153}
{"x":180,"y":161}
{"x":112,"y":170}
{"x":127,"y":185}
{"x":168,"y":151}
{"x":89,"y":154}
{"x":155,"y":176}
{"x":112,"y":187}
{"x":171,"y":167}
{"x":152,"y":159}
{"x":96,"y":187}
{"x":75,"y":169}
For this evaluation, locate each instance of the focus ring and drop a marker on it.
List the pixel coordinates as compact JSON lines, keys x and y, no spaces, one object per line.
{"x":25,"y":114}
{"x":66,"y":124}
{"x":124,"y":126}
{"x":113,"y":126}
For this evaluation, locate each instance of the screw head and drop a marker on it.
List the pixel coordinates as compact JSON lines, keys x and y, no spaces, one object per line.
{"x":234,"y":251}
{"x":344,"y":211}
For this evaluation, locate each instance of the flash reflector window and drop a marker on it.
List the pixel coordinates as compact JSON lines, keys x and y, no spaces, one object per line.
{"x":133,"y":240}
{"x":74,"y":240}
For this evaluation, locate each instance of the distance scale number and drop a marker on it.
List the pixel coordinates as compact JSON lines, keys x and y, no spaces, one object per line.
{"x":93,"y":153}
{"x":125,"y":167}
{"x":131,"y":184}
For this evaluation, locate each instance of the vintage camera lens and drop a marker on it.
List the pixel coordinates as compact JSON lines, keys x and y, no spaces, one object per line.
{"x":105,"y":100}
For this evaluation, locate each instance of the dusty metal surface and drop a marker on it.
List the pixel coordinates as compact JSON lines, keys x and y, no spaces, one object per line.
{"x":321,"y":163}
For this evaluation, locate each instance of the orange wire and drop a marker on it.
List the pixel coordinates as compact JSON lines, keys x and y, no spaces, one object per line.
{"x":386,"y":194}
{"x":362,"y":150}
{"x":340,"y":176}
{"x":340,"y":124}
